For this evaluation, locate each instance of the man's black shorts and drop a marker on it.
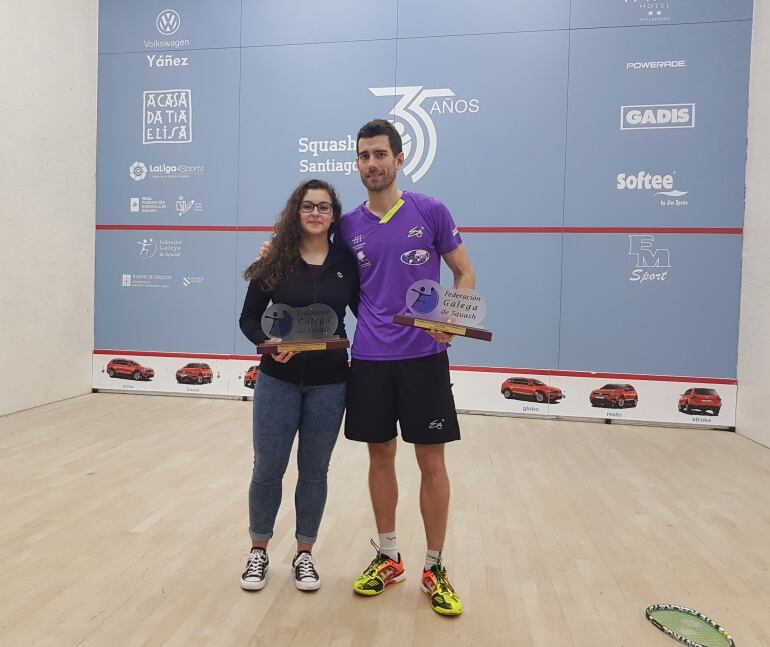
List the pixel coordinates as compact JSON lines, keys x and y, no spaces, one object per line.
{"x":415,"y":392}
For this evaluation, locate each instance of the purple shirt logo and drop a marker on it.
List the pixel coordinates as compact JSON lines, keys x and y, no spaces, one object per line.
{"x":415,"y":257}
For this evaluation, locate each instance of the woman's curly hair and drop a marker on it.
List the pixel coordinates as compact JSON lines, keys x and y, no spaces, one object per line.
{"x":284,"y":257}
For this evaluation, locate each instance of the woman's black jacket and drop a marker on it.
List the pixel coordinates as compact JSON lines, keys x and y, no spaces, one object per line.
{"x":337,"y":287}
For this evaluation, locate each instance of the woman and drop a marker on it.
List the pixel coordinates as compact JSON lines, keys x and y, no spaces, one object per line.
{"x":297,"y":392}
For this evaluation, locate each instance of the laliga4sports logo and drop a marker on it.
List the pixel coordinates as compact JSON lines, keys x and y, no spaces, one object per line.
{"x":414,"y":122}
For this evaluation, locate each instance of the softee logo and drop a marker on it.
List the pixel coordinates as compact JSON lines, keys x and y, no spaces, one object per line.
{"x":644,"y":181}
{"x":667,"y":115}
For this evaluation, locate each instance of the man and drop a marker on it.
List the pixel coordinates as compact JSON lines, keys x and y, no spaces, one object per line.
{"x":400,"y":373}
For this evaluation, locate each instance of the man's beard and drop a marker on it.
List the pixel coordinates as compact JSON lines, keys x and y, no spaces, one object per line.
{"x":378,"y":183}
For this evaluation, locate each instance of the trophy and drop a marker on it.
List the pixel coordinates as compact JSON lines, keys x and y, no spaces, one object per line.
{"x":449,"y":310}
{"x":300,"y":329}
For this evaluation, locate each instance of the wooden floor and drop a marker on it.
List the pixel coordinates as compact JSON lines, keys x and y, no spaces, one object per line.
{"x":123,"y":521}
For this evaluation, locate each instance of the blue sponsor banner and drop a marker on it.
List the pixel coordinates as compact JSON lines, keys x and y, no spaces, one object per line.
{"x":635,"y":13}
{"x":297,"y":131}
{"x":519,"y":276}
{"x":525,"y":118}
{"x":659,"y":304}
{"x":169,"y":291}
{"x":168,"y":138}
{"x":490,"y":144}
{"x":440,"y":18}
{"x":664,"y":114}
{"x":273,"y":22}
{"x":155,"y":25}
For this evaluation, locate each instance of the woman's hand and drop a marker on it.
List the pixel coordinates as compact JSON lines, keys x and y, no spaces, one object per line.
{"x":264,"y":250}
{"x":284,"y":357}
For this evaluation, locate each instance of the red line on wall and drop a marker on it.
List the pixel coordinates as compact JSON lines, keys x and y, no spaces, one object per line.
{"x":464,"y":230}
{"x":601,"y":230}
{"x":511,"y":230}
{"x":152,"y":353}
{"x":653,"y":230}
{"x":180,"y":228}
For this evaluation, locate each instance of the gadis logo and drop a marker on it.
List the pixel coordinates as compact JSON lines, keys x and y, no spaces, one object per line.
{"x":648,"y":117}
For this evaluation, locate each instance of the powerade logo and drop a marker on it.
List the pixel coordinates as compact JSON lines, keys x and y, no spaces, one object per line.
{"x":656,"y":65}
{"x":650,"y":117}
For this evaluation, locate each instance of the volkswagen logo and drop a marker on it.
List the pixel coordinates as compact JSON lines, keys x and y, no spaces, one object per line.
{"x":168,"y":22}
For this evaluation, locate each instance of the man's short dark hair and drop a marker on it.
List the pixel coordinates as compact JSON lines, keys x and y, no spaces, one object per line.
{"x":381,"y":127}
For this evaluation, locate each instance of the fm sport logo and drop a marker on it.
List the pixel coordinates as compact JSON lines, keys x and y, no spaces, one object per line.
{"x":647,"y":256}
{"x":650,"y":117}
{"x":651,"y":12}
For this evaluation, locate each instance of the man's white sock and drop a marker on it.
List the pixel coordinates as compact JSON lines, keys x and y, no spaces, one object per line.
{"x":432,"y":557}
{"x":388,"y":545}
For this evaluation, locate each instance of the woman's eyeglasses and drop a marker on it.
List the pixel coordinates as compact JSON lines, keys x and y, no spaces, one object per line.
{"x":324,"y":208}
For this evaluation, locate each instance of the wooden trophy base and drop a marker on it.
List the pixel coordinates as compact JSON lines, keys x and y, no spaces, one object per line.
{"x":302,"y":346}
{"x":442,"y":326}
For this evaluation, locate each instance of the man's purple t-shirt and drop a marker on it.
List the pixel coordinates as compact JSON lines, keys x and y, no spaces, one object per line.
{"x":391,"y":257}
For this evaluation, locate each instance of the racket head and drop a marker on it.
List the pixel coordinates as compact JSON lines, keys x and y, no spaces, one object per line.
{"x":688,"y":626}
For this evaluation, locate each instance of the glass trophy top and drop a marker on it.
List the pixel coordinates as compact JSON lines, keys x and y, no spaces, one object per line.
{"x":316,"y":321}
{"x":427,"y":299}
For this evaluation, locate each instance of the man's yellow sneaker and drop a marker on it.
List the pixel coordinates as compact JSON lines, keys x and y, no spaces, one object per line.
{"x":443,"y":598}
{"x":380,"y":573}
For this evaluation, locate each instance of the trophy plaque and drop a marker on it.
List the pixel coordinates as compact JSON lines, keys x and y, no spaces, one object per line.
{"x":300,"y":329}
{"x":456,"y":311}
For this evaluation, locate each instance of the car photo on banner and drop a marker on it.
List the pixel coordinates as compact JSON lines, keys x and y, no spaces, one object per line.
{"x":527,"y":388}
{"x":195,"y":373}
{"x":617,"y":396}
{"x":700,"y":400}
{"x":129,"y":369}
